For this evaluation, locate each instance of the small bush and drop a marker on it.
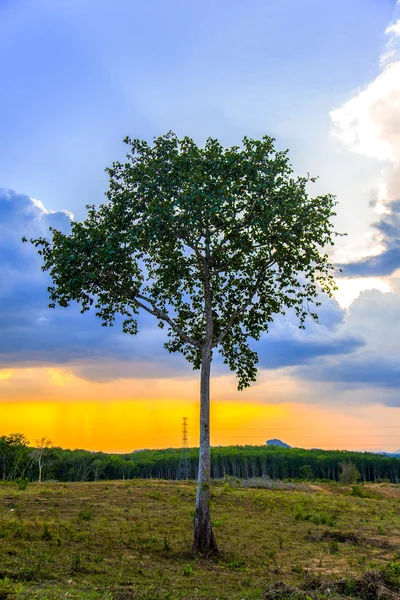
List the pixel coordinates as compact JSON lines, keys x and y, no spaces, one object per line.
{"x":227,"y":488}
{"x":8,"y":589}
{"x":22,"y":484}
{"x":333,"y":547}
{"x":317,"y":519}
{"x":324,"y":519}
{"x":301,"y":515}
{"x":350,"y":587}
{"x":46,"y":535}
{"x":298,"y":570}
{"x":75,"y":563}
{"x":188,"y":570}
{"x":348,"y":473}
{"x":86,"y":514}
{"x":233,"y":482}
{"x":392,"y":572}
{"x":16,"y":530}
{"x":361,"y":492}
{"x":237,"y":564}
{"x":356,"y":490}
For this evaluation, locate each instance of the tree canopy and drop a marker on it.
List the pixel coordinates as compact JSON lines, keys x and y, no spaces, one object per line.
{"x":185,"y":223}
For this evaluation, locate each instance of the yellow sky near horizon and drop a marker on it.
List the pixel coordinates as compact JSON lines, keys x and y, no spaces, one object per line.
{"x":124,"y":415}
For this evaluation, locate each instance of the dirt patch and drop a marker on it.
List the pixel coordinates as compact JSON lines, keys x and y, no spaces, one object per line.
{"x":337,"y":536}
{"x":127,"y":594}
{"x":274,"y":484}
{"x":385,"y":490}
{"x":373,"y":585}
{"x":318,"y":488}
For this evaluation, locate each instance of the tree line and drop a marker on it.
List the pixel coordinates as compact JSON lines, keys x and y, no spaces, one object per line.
{"x":18,"y":460}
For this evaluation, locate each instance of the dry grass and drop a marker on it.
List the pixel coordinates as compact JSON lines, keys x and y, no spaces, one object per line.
{"x":132,"y":540}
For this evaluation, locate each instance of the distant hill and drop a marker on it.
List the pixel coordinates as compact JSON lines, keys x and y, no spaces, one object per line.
{"x":276,"y":442}
{"x":395,"y":454}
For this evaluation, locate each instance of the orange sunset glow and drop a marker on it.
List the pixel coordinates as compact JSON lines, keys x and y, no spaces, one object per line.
{"x":125,"y":415}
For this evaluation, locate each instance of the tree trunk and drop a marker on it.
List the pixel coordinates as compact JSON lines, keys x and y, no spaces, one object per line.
{"x":204,"y":540}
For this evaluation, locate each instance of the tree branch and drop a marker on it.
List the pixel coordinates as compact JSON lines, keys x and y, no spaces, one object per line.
{"x":239,"y":311}
{"x":164,"y":317}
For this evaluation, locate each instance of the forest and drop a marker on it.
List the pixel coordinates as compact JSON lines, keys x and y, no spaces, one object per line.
{"x":19,"y":461}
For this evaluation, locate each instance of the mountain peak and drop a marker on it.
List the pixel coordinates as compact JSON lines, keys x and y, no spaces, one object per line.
{"x":275,"y":442}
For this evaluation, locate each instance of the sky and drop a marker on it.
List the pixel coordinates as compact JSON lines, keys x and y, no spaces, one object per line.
{"x":323,"y":78}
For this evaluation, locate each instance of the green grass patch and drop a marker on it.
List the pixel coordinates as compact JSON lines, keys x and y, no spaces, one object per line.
{"x":96,"y":541}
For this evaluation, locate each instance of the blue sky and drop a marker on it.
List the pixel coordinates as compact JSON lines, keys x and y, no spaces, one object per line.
{"x":78,"y":76}
{"x":323,"y":78}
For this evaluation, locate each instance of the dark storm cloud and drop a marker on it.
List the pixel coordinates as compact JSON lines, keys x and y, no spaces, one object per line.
{"x":277,"y":353}
{"x":373,"y":371}
{"x":286,"y":345}
{"x":32,"y":333}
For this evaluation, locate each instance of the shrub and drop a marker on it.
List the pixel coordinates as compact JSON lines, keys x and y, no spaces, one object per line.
{"x":8,"y":589}
{"x":348,"y":473}
{"x":188,"y":570}
{"x":392,"y":572}
{"x":46,"y":535}
{"x":86,"y":514}
{"x":22,"y":484}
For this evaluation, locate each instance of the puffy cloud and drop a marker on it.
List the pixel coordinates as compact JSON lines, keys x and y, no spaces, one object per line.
{"x":369,"y":124}
{"x":387,"y":231}
{"x":286,"y":345}
{"x":394,"y":28}
{"x":376,"y":364}
{"x":349,"y":288}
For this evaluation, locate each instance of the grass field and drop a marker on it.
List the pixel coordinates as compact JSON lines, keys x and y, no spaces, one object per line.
{"x":132,"y":540}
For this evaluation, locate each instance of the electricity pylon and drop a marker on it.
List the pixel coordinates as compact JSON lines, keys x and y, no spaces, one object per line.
{"x":184,"y":469}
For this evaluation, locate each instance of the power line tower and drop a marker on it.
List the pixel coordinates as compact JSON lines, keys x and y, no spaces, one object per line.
{"x":184,"y":469}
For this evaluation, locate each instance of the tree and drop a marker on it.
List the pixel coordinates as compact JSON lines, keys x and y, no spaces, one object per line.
{"x":348,"y":473}
{"x":212,"y":242}
{"x":14,"y":455}
{"x":40,"y":454}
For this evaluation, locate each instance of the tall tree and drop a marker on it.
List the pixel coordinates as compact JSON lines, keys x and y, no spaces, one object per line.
{"x":213,"y":242}
{"x":14,"y":455}
{"x":40,"y":454}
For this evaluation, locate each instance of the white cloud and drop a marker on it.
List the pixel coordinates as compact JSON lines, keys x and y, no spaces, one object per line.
{"x":394,"y":28}
{"x":45,"y":211}
{"x":41,"y":207}
{"x":349,"y":289}
{"x":369,"y":123}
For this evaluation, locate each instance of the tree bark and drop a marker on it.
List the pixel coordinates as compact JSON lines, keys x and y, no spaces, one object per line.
{"x":204,"y":540}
